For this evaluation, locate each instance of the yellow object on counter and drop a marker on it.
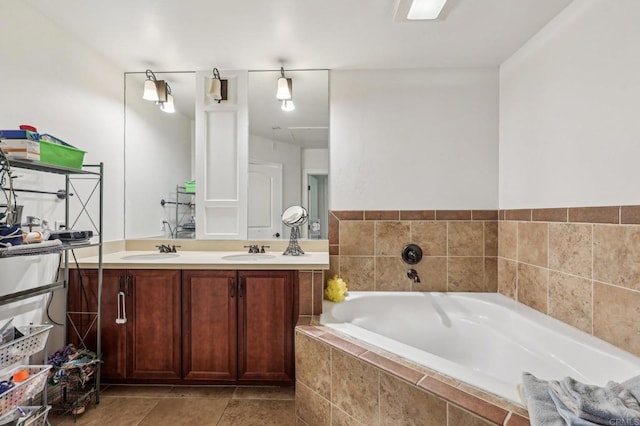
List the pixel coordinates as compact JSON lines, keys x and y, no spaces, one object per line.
{"x":336,"y":289}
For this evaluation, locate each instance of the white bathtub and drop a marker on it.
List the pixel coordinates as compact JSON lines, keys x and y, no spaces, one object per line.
{"x":483,"y":339}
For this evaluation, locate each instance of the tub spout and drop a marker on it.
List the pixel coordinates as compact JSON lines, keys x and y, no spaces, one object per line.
{"x":413,"y":275}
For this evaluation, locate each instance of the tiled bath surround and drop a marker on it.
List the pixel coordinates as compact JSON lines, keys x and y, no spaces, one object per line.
{"x":341,"y":382}
{"x":579,"y":265}
{"x":460,"y":249}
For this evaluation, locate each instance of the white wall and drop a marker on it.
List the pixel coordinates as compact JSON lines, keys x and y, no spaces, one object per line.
{"x":269,"y":151}
{"x":315,"y":159}
{"x":54,"y":82}
{"x":569,"y":108}
{"x":414,"y":139}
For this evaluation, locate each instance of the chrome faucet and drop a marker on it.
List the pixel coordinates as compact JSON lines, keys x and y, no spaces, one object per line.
{"x":253,"y":248}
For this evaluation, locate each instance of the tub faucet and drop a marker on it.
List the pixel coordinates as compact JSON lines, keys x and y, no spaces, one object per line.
{"x":413,"y":275}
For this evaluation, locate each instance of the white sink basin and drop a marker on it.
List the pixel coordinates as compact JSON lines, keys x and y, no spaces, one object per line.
{"x":149,"y":256}
{"x":248,"y":257}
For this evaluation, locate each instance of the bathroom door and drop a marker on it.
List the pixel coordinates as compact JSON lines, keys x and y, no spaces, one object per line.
{"x":264,"y":200}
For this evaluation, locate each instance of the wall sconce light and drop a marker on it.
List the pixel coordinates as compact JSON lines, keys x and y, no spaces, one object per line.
{"x":285,"y":87}
{"x":217,"y":87}
{"x":168,"y":105}
{"x":154,"y":90}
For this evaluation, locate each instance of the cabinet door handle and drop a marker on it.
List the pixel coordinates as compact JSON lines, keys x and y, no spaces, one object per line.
{"x":240,"y":285}
{"x":232,"y":287}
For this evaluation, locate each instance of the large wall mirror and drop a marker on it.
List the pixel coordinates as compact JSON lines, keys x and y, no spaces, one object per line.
{"x":288,"y":156}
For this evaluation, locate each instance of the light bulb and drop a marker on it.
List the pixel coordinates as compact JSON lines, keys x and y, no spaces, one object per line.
{"x":150,"y":91}
{"x":215,"y":89}
{"x":287,"y":105}
{"x":168,"y":106}
{"x":283,"y":91}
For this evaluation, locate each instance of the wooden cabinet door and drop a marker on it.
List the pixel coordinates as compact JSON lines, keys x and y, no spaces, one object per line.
{"x":265,"y":326}
{"x":153,"y":327}
{"x":209,"y":325}
{"x":114,"y":336}
{"x":81,"y":327}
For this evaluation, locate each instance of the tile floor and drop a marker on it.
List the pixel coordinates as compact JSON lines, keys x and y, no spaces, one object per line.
{"x":193,"y":405}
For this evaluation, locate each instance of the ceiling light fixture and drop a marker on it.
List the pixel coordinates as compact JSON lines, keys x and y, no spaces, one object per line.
{"x":285,"y":87}
{"x":154,"y":90}
{"x":168,"y":105}
{"x":217,"y":87}
{"x":425,"y":9}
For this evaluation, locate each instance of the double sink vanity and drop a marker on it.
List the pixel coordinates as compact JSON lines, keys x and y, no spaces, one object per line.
{"x":213,"y":316}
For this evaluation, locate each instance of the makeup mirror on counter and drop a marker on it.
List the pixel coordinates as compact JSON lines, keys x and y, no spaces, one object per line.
{"x":288,"y":156}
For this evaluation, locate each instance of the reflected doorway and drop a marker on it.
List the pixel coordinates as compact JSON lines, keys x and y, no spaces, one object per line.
{"x":317,"y":204}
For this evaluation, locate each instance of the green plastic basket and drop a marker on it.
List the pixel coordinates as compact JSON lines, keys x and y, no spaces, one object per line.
{"x":189,"y":186}
{"x":60,"y":155}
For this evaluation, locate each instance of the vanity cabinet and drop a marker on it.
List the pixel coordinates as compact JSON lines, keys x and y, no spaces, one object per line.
{"x":238,"y":326}
{"x":147,"y":345}
{"x":192,"y":326}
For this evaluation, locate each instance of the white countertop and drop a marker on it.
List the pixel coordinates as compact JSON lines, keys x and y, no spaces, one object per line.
{"x":205,"y":260}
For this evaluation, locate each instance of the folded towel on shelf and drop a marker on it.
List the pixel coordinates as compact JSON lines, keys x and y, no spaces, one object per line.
{"x":45,"y":247}
{"x":577,"y":404}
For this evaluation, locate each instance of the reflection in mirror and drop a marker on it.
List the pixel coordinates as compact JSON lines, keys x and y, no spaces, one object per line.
{"x":288,"y":156}
{"x":158,"y":159}
{"x":285,"y":149}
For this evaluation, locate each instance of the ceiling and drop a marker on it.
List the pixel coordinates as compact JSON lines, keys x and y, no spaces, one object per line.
{"x":170,"y":35}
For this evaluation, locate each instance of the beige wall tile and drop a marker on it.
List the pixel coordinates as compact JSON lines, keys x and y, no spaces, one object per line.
{"x":358,"y":272}
{"x":391,"y":274}
{"x":615,"y":316}
{"x":354,"y":387}
{"x":391,"y":237}
{"x":508,"y":240}
{"x":491,"y":274}
{"x":608,"y":214}
{"x":466,"y":238}
{"x":430,"y":236}
{"x":334,"y":267}
{"x":318,"y":291}
{"x":357,"y":238}
{"x":616,"y":255}
{"x":340,"y":418}
{"x":507,"y":277}
{"x":311,"y":407}
{"x":334,"y":229}
{"x":570,"y":248}
{"x":433,"y":274}
{"x":305,"y":296}
{"x":532,"y":286}
{"x":458,"y":417}
{"x":465,"y":274}
{"x":533,"y":243}
{"x":570,"y":300}
{"x":491,"y":238}
{"x":404,"y":404}
{"x":313,"y":364}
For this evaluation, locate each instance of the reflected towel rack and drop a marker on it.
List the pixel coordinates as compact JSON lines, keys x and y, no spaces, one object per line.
{"x":163,"y":202}
{"x":60,"y":193}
